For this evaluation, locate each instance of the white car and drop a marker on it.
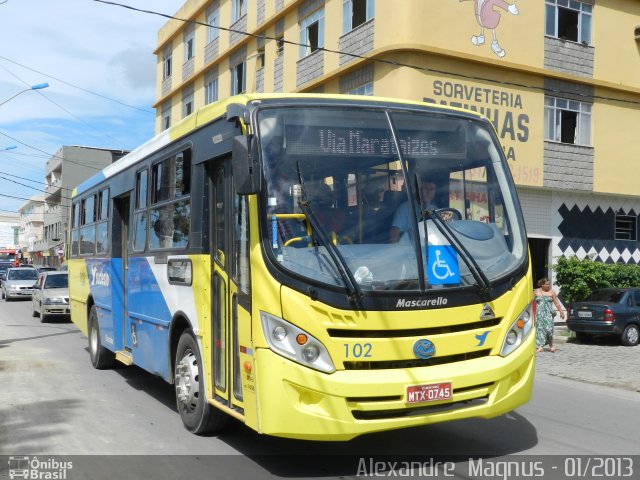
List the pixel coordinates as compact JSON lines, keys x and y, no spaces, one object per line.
{"x":51,"y":295}
{"x":19,"y":282}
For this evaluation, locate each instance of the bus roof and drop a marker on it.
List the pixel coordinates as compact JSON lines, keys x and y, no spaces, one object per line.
{"x":210,"y":112}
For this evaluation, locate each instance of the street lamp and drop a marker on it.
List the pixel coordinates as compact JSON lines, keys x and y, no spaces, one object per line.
{"x":39,"y":86}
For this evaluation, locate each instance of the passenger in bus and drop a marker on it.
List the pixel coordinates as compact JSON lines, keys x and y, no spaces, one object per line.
{"x":322,"y":202}
{"x":280,"y":180}
{"x":402,"y":221}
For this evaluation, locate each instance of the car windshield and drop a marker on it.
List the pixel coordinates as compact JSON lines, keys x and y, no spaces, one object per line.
{"x":340,"y":180}
{"x":26,"y":274}
{"x":56,"y":281}
{"x":609,"y":296}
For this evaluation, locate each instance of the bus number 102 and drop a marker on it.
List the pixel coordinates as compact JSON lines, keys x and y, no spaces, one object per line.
{"x":357,"y":350}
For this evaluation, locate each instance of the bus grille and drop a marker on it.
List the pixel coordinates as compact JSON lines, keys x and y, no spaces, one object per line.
{"x":418,"y":411}
{"x":413,"y":332}
{"x":415,"y":362}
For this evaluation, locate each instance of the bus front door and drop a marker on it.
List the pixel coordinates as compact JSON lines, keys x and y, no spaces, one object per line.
{"x":229,"y":313}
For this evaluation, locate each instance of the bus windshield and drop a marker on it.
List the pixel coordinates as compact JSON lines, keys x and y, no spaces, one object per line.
{"x":388,"y":199}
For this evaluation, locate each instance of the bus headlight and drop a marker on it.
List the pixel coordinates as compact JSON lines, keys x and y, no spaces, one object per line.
{"x":295,"y":344}
{"x":518,"y":331}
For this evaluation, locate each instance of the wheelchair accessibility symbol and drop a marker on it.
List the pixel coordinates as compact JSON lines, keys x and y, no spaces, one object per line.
{"x":442,"y":265}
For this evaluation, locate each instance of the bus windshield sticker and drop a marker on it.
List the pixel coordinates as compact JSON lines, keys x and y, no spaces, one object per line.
{"x":442,"y":265}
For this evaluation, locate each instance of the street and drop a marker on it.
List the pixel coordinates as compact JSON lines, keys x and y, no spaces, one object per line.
{"x":52,"y":402}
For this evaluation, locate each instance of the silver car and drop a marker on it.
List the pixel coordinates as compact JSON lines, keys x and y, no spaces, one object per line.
{"x":51,"y":295}
{"x":19,"y":282}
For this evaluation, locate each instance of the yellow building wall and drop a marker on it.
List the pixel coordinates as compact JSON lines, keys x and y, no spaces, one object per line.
{"x":449,"y":25}
{"x":613,"y":32}
{"x":517,"y":113}
{"x":616,"y":145}
{"x":430,"y":35}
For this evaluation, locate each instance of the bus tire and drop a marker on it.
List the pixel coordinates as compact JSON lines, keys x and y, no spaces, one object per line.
{"x":198,"y":416}
{"x":101,"y":357}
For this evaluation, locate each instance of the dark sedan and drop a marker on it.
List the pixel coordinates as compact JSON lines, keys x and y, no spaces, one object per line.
{"x":608,"y":311}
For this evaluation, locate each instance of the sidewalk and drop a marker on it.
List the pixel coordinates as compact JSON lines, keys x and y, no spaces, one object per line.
{"x":601,"y":361}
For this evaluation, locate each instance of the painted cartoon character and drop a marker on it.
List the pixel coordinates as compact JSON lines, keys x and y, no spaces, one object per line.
{"x":488,"y":17}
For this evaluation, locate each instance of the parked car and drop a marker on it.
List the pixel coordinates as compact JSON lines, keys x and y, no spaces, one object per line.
{"x":46,"y":269}
{"x":51,"y":295}
{"x":19,"y":282}
{"x":4,"y":266}
{"x":609,"y":311}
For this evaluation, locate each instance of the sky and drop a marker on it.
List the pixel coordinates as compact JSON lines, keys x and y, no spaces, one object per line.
{"x":86,"y":51}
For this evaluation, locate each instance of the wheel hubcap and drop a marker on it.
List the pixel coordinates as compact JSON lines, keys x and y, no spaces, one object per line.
{"x":187,"y":382}
{"x":632,"y":335}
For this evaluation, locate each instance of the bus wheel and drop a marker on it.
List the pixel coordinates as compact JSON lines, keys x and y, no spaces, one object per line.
{"x":101,"y":358}
{"x":197,"y":414}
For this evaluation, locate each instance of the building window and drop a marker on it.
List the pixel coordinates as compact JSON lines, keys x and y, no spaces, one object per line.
{"x":213,"y":20}
{"x":366,"y":89}
{"x":189,"y":38}
{"x":567,"y":121}
{"x":166,"y":116}
{"x":211,"y":90}
{"x":238,"y":81}
{"x":166,"y":63}
{"x":355,"y":13}
{"x":279,"y":46}
{"x":238,"y":10}
{"x":260,"y":52}
{"x":187,"y":103}
{"x":312,"y":33}
{"x":569,"y":20}
{"x":626,"y":227}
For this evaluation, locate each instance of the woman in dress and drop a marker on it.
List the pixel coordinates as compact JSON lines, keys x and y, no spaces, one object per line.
{"x":543,"y":298}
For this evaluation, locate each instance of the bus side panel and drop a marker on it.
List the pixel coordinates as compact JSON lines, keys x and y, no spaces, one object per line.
{"x":116,"y":304}
{"x":148,"y":317}
{"x":104,"y":285}
{"x":78,"y":293}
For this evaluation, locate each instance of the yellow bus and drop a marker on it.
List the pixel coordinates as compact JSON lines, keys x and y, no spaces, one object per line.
{"x":315,"y":266}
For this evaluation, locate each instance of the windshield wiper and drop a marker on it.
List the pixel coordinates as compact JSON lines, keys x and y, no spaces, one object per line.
{"x":319,"y":232}
{"x":482,"y":282}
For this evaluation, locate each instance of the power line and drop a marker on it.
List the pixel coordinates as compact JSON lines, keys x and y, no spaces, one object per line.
{"x":50,"y":155}
{"x":29,"y":186}
{"x":376,"y":60}
{"x":29,"y":180}
{"x":61,"y":107}
{"x":76,"y":86}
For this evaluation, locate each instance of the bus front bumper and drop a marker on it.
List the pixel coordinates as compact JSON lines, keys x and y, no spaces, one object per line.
{"x":297,"y":402}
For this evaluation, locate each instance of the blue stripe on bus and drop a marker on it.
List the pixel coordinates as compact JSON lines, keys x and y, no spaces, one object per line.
{"x":146,"y":327}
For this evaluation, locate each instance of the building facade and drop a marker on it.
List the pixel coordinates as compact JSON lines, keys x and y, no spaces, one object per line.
{"x":559,"y":79}
{"x":64,"y":171}
{"x":9,"y":226}
{"x":31,"y":226}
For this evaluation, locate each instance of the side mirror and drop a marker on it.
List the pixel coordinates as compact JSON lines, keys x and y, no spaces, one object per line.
{"x":246,"y":169}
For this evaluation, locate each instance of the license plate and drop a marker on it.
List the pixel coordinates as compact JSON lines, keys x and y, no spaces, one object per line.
{"x":432,"y":392}
{"x":585,"y":314}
